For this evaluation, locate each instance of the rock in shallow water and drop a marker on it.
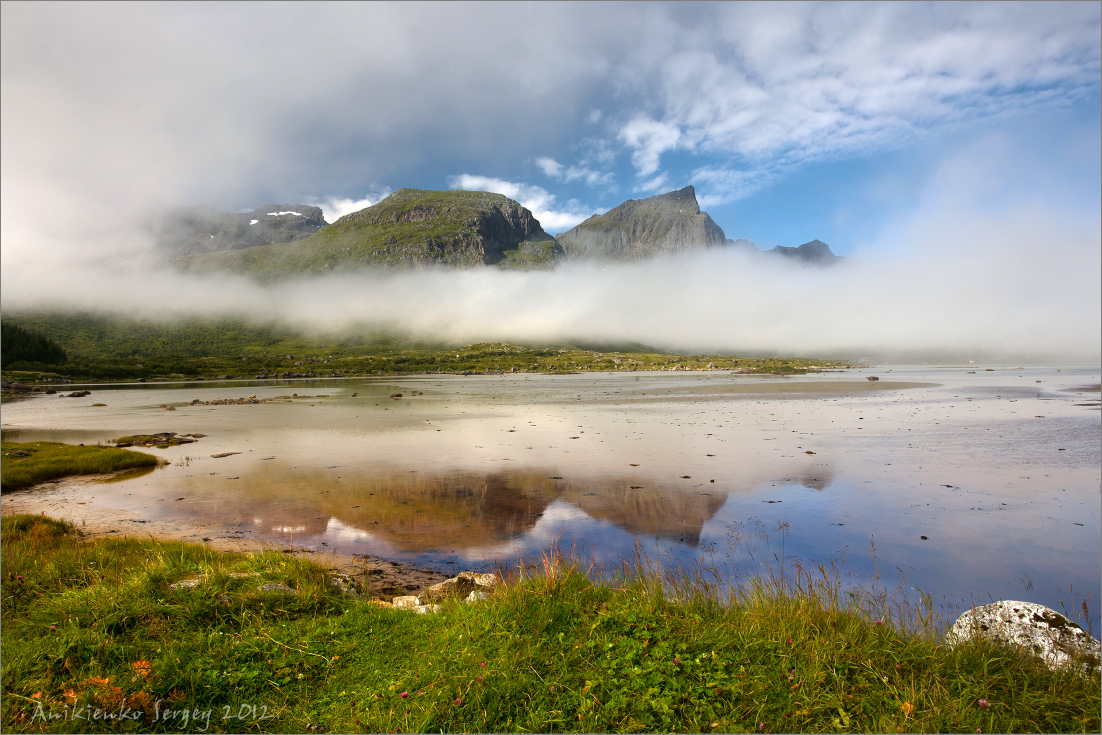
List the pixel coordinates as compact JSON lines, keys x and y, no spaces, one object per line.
{"x":1036,"y":628}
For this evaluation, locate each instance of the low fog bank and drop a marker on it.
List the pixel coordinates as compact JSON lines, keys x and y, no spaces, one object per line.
{"x":1003,"y":297}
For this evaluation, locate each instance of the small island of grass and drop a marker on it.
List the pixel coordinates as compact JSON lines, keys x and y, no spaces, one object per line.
{"x":26,"y":464}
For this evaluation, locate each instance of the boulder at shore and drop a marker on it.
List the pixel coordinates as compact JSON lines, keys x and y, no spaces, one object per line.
{"x":1035,"y":628}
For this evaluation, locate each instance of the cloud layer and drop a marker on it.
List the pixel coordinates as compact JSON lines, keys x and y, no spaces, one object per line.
{"x":968,"y":278}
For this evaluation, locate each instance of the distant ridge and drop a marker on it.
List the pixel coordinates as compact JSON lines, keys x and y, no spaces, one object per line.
{"x":667,"y":223}
{"x":188,"y":230}
{"x":417,"y":228}
{"x":815,"y":252}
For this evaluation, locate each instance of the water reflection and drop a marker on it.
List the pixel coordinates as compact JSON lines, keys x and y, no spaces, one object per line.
{"x":974,"y":481}
{"x":418,"y":514}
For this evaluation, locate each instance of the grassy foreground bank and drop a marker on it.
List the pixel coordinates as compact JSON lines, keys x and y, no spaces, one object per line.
{"x":26,"y":464}
{"x":94,"y":639}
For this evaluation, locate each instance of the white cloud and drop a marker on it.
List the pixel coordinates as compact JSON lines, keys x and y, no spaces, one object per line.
{"x":550,"y":167}
{"x":728,"y":183}
{"x":555,"y":170}
{"x":649,"y":139}
{"x":768,"y":86}
{"x":336,"y":207}
{"x":591,"y":177}
{"x":539,"y":201}
{"x":654,"y":184}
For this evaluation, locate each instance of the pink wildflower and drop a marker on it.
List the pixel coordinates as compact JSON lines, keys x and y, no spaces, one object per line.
{"x":405,"y":694}
{"x":983,"y":703}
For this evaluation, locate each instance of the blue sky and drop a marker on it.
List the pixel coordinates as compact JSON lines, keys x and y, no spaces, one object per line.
{"x":895,"y":132}
{"x":793,"y":121}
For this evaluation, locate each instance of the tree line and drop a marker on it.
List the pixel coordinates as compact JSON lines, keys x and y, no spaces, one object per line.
{"x":25,"y":345}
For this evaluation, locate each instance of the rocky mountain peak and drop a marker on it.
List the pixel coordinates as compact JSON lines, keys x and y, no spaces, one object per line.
{"x":683,"y":199}
{"x":642,"y":228}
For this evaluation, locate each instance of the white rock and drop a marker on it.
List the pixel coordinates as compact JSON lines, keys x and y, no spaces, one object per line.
{"x":277,"y":587}
{"x":406,"y":601}
{"x":476,"y":596}
{"x":345,"y":585}
{"x":461,"y":585}
{"x":1036,"y":628}
{"x":482,"y":580}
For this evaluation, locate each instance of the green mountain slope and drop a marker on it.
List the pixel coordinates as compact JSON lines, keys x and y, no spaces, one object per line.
{"x":410,"y":228}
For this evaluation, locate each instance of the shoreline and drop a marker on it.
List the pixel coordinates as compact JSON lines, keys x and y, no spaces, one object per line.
{"x":380,"y":578}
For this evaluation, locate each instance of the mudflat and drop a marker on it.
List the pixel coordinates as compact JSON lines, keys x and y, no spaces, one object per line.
{"x":971,"y":484}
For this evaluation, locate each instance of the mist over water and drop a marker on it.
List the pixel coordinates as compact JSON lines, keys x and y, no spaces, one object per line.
{"x":1001,"y":299}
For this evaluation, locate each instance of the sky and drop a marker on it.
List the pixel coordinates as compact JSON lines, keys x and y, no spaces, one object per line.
{"x":918,"y":138}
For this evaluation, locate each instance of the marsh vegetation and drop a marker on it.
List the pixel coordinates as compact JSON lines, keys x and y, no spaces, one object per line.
{"x":30,"y":463}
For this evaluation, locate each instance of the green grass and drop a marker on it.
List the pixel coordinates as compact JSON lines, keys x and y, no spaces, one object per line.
{"x":93,"y":624}
{"x":53,"y":460}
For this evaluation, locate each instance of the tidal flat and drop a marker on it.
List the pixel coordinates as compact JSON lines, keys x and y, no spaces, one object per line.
{"x":961,"y":483}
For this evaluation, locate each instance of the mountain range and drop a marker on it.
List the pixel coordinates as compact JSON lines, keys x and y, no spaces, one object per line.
{"x":417,"y":228}
{"x":190,"y":230}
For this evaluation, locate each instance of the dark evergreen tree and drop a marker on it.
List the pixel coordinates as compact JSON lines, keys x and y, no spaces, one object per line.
{"x":23,"y":345}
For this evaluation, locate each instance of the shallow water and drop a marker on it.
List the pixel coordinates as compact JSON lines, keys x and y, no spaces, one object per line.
{"x":999,"y":470}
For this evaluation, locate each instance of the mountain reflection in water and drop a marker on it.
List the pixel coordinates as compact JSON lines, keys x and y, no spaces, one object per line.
{"x":413,"y":513}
